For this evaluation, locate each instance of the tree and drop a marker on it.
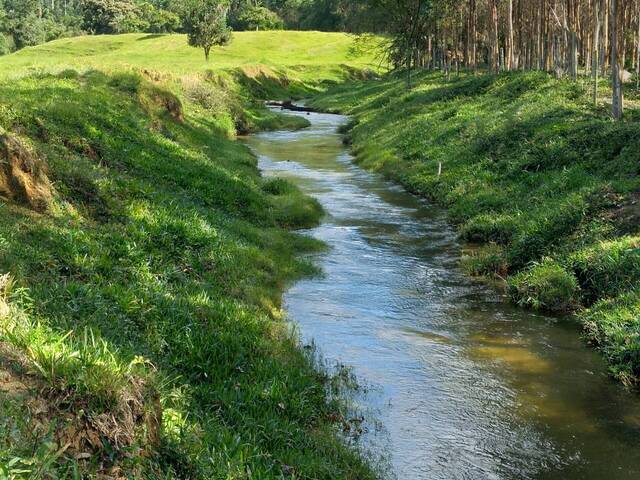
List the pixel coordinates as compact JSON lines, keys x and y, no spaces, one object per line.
{"x":257,"y":17}
{"x":205,"y":22}
{"x":111,"y":16}
{"x":408,"y":23}
{"x":617,"y":104}
{"x":596,"y":49}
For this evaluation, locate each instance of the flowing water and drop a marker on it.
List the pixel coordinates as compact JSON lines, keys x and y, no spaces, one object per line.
{"x":464,"y":385}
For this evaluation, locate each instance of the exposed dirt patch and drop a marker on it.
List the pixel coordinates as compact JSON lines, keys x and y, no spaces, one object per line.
{"x":77,"y":430}
{"x":626,"y":213}
{"x":168,"y":102}
{"x":23,"y":177}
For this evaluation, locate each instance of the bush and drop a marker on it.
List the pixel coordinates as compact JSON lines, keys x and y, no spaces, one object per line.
{"x":546,"y":286}
{"x":259,"y":18}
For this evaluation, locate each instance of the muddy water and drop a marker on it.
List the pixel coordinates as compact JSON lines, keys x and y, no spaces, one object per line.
{"x":464,"y":385}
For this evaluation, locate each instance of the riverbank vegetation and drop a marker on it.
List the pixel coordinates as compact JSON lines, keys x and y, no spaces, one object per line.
{"x":529,"y":168}
{"x":142,"y":263}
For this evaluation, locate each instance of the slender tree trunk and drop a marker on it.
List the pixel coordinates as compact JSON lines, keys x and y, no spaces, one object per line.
{"x":509,"y":49}
{"x":617,"y":104}
{"x":638,"y":50}
{"x":474,"y":36}
{"x":574,"y":56}
{"x":596,"y":50}
{"x":604,"y":48}
{"x":495,"y":52}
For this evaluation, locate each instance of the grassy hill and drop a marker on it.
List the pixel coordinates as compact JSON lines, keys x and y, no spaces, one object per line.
{"x":305,"y":52}
{"x":142,"y":261}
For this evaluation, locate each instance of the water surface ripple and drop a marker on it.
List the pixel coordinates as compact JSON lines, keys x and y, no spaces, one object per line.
{"x":466,"y":386}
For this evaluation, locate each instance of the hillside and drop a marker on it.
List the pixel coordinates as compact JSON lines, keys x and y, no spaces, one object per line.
{"x":299,"y":51}
{"x":143,"y":261}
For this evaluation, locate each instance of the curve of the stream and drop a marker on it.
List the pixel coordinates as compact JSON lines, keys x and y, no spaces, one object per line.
{"x":465,"y":385}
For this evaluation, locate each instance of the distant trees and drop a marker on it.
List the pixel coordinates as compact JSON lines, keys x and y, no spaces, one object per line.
{"x":29,"y":22}
{"x":205,"y":22}
{"x":258,"y":17}
{"x":25,"y":23}
{"x":110,"y":16}
{"x":596,"y":37}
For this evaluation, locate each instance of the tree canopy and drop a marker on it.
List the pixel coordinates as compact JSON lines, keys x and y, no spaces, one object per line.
{"x":205,"y":22}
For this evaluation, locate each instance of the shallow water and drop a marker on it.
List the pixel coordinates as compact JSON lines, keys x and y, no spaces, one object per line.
{"x":465,"y":385}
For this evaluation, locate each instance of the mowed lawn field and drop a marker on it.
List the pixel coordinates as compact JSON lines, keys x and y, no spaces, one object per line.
{"x":319,"y":53}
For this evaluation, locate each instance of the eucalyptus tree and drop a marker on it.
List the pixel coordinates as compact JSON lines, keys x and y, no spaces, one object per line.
{"x":408,"y":23}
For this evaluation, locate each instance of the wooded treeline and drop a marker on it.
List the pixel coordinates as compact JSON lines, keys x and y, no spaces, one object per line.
{"x":566,"y":37}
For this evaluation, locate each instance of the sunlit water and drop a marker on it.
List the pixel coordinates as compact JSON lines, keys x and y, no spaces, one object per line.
{"x":465,"y":386}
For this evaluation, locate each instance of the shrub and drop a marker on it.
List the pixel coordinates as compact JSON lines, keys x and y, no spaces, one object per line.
{"x":546,"y":286}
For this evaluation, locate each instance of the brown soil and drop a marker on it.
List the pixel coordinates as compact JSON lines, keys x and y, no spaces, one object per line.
{"x":23,"y":177}
{"x":626,"y":213}
{"x":78,"y":432}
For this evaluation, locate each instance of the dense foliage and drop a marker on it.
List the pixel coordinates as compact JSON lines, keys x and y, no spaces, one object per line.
{"x":25,"y":23}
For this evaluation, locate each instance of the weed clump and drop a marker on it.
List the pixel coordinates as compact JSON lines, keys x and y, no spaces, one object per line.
{"x":607,"y":268}
{"x":487,"y":260}
{"x":487,"y":228}
{"x":613,"y":325}
{"x":546,"y":286}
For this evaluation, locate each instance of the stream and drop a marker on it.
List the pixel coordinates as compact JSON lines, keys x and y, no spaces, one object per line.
{"x":459,"y":383}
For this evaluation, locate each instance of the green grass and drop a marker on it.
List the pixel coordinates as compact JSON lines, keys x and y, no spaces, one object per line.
{"x":303,"y":56}
{"x":155,"y":275}
{"x":531,"y":169}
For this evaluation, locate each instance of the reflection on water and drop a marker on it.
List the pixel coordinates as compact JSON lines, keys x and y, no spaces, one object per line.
{"x":466,"y":386}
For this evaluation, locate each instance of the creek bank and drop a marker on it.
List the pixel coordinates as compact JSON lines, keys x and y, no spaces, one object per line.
{"x":530,"y":171}
{"x":461,"y":383}
{"x":159,"y":262}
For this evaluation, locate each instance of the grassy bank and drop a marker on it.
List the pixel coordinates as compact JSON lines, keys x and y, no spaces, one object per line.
{"x":546,"y":183}
{"x":141,"y":270}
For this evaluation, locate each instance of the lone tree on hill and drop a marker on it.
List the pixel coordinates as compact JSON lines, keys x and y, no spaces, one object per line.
{"x":205,"y":22}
